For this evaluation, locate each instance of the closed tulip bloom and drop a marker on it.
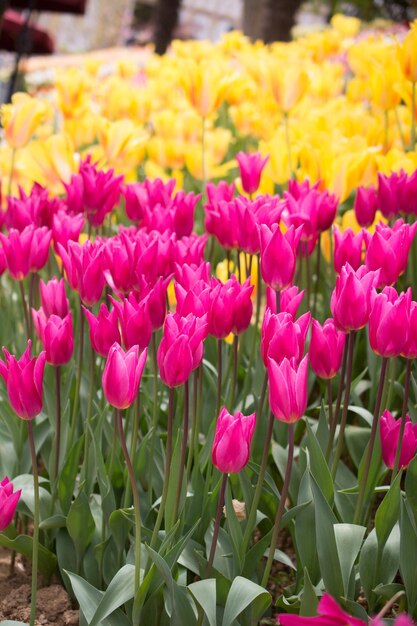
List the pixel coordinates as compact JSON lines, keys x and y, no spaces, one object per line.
{"x":141,"y":197}
{"x":230,"y":307}
{"x":188,"y":275}
{"x":290,"y":299}
{"x":66,"y":228}
{"x":391,"y":191}
{"x":250,"y":168}
{"x":365,"y":206}
{"x":122,"y":375}
{"x":407,"y":54}
{"x":278,"y":255}
{"x":389,"y":429}
{"x":156,"y":300}
{"x":104,"y":329}
{"x":56,"y":335}
{"x":288,"y":388}
{"x":53,"y":297}
{"x":195,"y":300}
{"x":21,"y":118}
{"x":347,"y":249}
{"x":134,"y":321}
{"x":24,"y":380}
{"x":410,"y":347}
{"x":388,"y":250}
{"x":282,"y":337}
{"x":352,"y":298}
{"x":26,"y":251}
{"x":326,"y":210}
{"x":83,"y":269}
{"x":326,"y":348}
{"x":8,"y":503}
{"x":120,"y":257}
{"x":181,"y":348}
{"x":389,"y":322}
{"x":232,"y":439}
{"x":222,"y":221}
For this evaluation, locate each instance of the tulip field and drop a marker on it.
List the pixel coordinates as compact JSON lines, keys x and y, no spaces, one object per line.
{"x":208,"y":395}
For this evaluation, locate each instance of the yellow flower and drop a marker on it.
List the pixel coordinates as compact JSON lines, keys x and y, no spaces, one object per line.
{"x":122,"y":145}
{"x":73,"y":92}
{"x":407,"y":54}
{"x":288,"y":83}
{"x":383,"y":81}
{"x":21,"y":118}
{"x":203,"y":85}
{"x":345,"y":26}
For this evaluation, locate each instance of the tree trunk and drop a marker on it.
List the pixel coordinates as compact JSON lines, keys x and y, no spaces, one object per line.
{"x":278,"y":18}
{"x":166,"y":18}
{"x":252,"y":26}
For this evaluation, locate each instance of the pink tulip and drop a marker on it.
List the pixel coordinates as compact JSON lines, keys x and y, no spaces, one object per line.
{"x":181,"y":348}
{"x":230,"y":307}
{"x":104,"y":329}
{"x":365,"y":206}
{"x":288,"y":388}
{"x":391,"y":191}
{"x":282,"y":337}
{"x":141,"y":197}
{"x":26,"y":251}
{"x":352,"y":298}
{"x":222,"y":221}
{"x":24,"y":379}
{"x":330,"y":614}
{"x":56,"y":335}
{"x":189,"y":250}
{"x":388,"y":249}
{"x":232,"y":439}
{"x":8,"y":503}
{"x":389,"y":322}
{"x":134,"y":321}
{"x":389,"y":429}
{"x":326,"y":210}
{"x":278,"y":255}
{"x":326,"y":348}
{"x":120,"y":257}
{"x":83,"y":269}
{"x":188,"y":275}
{"x":183,"y":208}
{"x":122,"y":374}
{"x":66,"y":228}
{"x":195,"y":300}
{"x":53,"y":297}
{"x":250,"y":168}
{"x":221,"y":191}
{"x":410,"y":347}
{"x":290,"y":299}
{"x":347,"y":249}
{"x":156,"y":300}
{"x":36,"y":209}
{"x":301,"y":209}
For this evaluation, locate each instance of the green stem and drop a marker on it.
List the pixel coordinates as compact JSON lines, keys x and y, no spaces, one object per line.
{"x":167,"y":468}
{"x":219,"y":375}
{"x":330,"y":400}
{"x":88,"y":420}
{"x":280,"y":511}
{"x":193,"y":424}
{"x":413,"y":119}
{"x":317,"y":279}
{"x":133,"y":443}
{"x":183,"y":448}
{"x":135,"y":499}
{"x":333,"y":423}
{"x":308,"y":275}
{"x":25,"y":308}
{"x":234,"y":371}
{"x":262,"y":397}
{"x":155,"y":413}
{"x":403,"y":416}
{"x":259,"y":485}
{"x":78,"y":378}
{"x":341,"y":439}
{"x":372,"y":437}
{"x":35,"y":524}
{"x":58,"y":423}
{"x":255,"y":334}
{"x":216,"y":528}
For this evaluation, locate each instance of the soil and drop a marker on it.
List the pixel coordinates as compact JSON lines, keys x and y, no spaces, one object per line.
{"x":54,"y":606}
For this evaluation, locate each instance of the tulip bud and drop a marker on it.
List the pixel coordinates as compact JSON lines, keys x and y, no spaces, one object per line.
{"x":282,"y":337}
{"x":366,"y":204}
{"x":104,"y":329}
{"x":53,"y":298}
{"x":290,"y":299}
{"x":122,"y":374}
{"x":278,"y":255}
{"x":24,"y":380}
{"x":56,"y":335}
{"x":66,"y":228}
{"x":250,"y":167}
{"x":352,"y":298}
{"x":134,"y":321}
{"x":389,"y":322}
{"x":347,"y":249}
{"x":288,"y":388}
{"x":326,"y":348}
{"x":230,"y":307}
{"x":388,"y":249}
{"x":83,"y":269}
{"x":232,"y":439}
{"x":389,"y":429}
{"x":8,"y":503}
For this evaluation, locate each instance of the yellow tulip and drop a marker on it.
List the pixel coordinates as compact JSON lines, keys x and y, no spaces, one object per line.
{"x":21,"y":118}
{"x":288,"y":84}
{"x":345,"y":26}
{"x":203,"y":85}
{"x":50,"y":162}
{"x":407,"y":54}
{"x":122,"y":144}
{"x":73,"y":92}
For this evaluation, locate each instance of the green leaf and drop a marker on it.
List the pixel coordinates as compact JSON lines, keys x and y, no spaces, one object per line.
{"x":120,"y":526}
{"x":180,"y":606}
{"x":318,"y":465}
{"x":376,"y":568}
{"x":56,"y":521}
{"x":309,"y":599}
{"x":80,"y":523}
{"x":68,"y":475}
{"x":349,"y":539}
{"x":120,"y":590}
{"x":305,"y":529}
{"x":204,"y":592}
{"x":173,"y":483}
{"x":388,"y":512}
{"x":242,"y":594}
{"x":410,"y":486}
{"x":408,"y":548}
{"x":234,"y":528}
{"x":23,"y":544}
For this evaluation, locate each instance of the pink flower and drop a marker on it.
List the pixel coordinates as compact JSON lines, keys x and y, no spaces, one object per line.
{"x":250,"y":167}
{"x":288,"y":388}
{"x":388,"y":249}
{"x":389,"y":429}
{"x":181,"y":348}
{"x":326,"y":210}
{"x":156,"y":300}
{"x":232,"y":439}
{"x":66,"y":228}
{"x":83,"y":269}
{"x":347,"y":249}
{"x":56,"y":335}
{"x":278,"y":255}
{"x":142,"y":197}
{"x":8,"y":502}
{"x":35,"y":209}
{"x":290,"y":299}
{"x":410,"y":347}
{"x":24,"y":379}
{"x":391,"y":192}
{"x":104,"y":329}
{"x":53,"y":297}
{"x":330,"y":614}
{"x":134,"y":321}
{"x":389,"y":322}
{"x":230,"y":307}
{"x":326,"y":348}
{"x":26,"y":251}
{"x":352,"y":298}
{"x":122,"y":374}
{"x":282,"y":337}
{"x":366,"y":204}
{"x":120,"y":257}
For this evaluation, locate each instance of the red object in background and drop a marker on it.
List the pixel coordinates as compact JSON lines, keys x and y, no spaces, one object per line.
{"x":57,"y":6}
{"x":13,"y":24}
